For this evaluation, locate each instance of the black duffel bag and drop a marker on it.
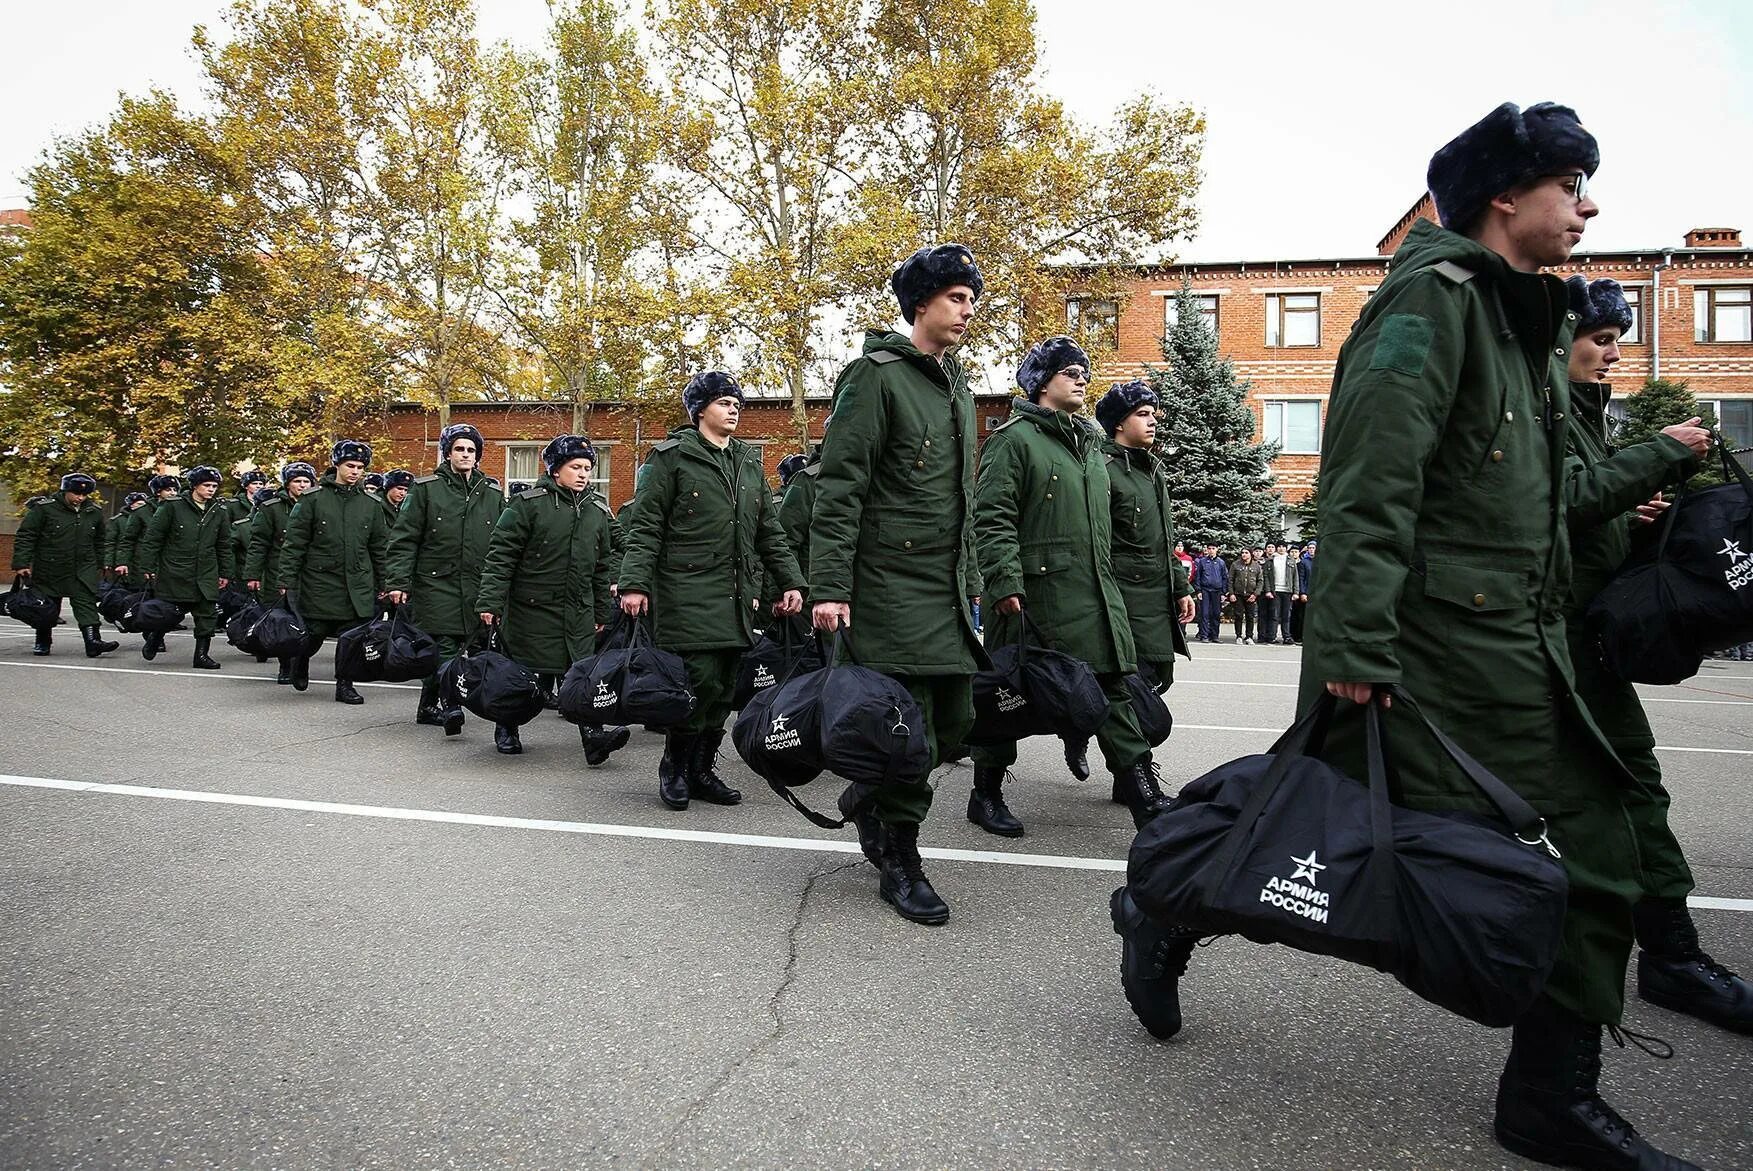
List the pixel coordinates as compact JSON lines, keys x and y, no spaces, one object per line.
{"x":240,"y":628}
{"x":849,"y":720}
{"x":1031,"y":690}
{"x":492,"y":685}
{"x":388,"y":649}
{"x":1465,"y":910}
{"x":114,"y":601}
{"x":281,"y":631}
{"x":1154,"y":719}
{"x":1686,"y":593}
{"x":629,"y":681}
{"x":233,"y":597}
{"x":31,"y":606}
{"x":150,"y":614}
{"x":786,"y":643}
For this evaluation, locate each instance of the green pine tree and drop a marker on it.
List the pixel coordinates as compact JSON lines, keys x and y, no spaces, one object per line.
{"x":1662,"y":403}
{"x":1308,"y":512}
{"x":1219,"y":478}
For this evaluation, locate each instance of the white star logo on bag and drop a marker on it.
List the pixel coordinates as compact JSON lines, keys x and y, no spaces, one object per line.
{"x":602,"y":687}
{"x":1307,"y":868}
{"x":779,"y":722}
{"x":1732,"y":550}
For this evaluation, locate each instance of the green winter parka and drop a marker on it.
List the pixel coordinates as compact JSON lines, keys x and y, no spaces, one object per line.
{"x":796,"y":504}
{"x":332,"y":553}
{"x":130,"y":527}
{"x":437,"y":542}
{"x":617,"y":535}
{"x":241,"y":510}
{"x":61,"y":546}
{"x":547,"y":573}
{"x":892,"y":531}
{"x":267,"y":536}
{"x":1152,"y":579}
{"x":188,"y":547}
{"x":1043,"y":528}
{"x":698,"y":539}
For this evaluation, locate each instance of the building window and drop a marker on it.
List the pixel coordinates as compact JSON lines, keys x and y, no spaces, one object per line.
{"x":523,"y":461}
{"x":1207,"y":311}
{"x":599,"y":472}
{"x":1634,"y":335}
{"x":1723,"y":314}
{"x":1293,"y":319}
{"x":1734,"y":418}
{"x":1094,"y":322}
{"x":1294,"y":424}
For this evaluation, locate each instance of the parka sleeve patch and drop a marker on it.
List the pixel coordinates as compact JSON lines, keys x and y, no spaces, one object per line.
{"x":1403,"y":343}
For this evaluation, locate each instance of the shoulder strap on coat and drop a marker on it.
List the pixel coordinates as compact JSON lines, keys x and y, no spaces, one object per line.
{"x":531,"y":493}
{"x":426,"y":479}
{"x":884,"y":357}
{"x":666,"y":445}
{"x":1454,"y":272}
{"x":812,"y":470}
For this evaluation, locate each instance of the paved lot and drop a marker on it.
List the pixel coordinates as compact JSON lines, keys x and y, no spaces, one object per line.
{"x":198,"y":983}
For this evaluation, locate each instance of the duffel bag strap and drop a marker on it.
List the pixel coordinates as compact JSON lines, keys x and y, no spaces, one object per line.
{"x":1732,"y":469}
{"x":810,"y":815}
{"x":1524,"y":819}
{"x":1310,"y":730}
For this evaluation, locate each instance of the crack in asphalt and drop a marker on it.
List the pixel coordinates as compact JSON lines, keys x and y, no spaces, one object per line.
{"x":280,"y":748}
{"x":787,"y":977}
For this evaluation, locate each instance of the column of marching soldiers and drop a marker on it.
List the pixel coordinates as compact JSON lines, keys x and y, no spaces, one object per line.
{"x":1455,"y":493}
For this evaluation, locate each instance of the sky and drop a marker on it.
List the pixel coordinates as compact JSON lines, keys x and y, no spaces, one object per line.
{"x":1321,"y":116}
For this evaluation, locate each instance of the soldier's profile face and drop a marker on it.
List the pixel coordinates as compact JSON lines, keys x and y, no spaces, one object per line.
{"x":1593,"y":353}
{"x":1550,"y":217}
{"x":298,"y":486}
{"x":396,"y":495}
{"x":1139,"y":428}
{"x":721,"y":415}
{"x":943,"y":318}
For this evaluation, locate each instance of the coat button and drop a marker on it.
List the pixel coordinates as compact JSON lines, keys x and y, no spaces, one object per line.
{"x":1509,"y":416}
{"x":928,"y":443}
{"x":1497,"y":457}
{"x":1559,"y":351}
{"x":1049,"y":495}
{"x":1043,"y":569}
{"x":906,"y":544}
{"x":1559,"y":415}
{"x":918,"y":463}
{"x":1479,"y":599}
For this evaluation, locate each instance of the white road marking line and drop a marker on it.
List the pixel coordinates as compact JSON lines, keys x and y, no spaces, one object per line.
{"x":1720,"y":751}
{"x":611,"y":830}
{"x":1179,"y":682}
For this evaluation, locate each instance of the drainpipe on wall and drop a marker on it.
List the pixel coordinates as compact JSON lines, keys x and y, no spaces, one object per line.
{"x":1655,"y":315}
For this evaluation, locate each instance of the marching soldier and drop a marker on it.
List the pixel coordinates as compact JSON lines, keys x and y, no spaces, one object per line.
{"x":186,"y":554}
{"x":546,"y":578}
{"x":159,"y":489}
{"x":331,"y":561}
{"x":702,"y":526}
{"x":893,"y":529}
{"x":1044,"y":531}
{"x":1443,"y":513}
{"x":797,"y":499}
{"x":112,"y":535}
{"x":1153,"y":581}
{"x":59,"y":550}
{"x":396,"y":486}
{"x":268,"y":535}
{"x":436,"y":545}
{"x":1673,"y":969}
{"x":239,"y":509}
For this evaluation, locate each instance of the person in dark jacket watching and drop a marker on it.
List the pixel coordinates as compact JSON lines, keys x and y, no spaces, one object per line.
{"x":1211,"y":579}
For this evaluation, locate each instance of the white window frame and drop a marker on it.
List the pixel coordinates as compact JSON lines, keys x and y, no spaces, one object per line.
{"x":1211,"y":314}
{"x":1707,"y":309}
{"x":1633,"y":299}
{"x":1075,"y":319}
{"x":1267,"y":406}
{"x":1276,"y":313}
{"x":535,"y":450}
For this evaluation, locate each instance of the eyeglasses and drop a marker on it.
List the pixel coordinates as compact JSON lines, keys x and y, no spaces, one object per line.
{"x":1076,"y":373}
{"x":1575,"y":183}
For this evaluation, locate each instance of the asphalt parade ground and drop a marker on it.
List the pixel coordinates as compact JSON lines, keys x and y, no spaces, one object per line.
{"x":246,"y":928}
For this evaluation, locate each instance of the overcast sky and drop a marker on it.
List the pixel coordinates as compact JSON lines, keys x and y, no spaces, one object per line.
{"x":1321,"y":116}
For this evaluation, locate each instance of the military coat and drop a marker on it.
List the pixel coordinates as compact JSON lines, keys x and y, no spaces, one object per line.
{"x":547,"y":573}
{"x":1152,"y":579}
{"x":1044,"y":531}
{"x":701,"y":531}
{"x":188,"y":547}
{"x":892,"y":531}
{"x":436,"y":545}
{"x":333,"y":552}
{"x":796,"y":504}
{"x":62,"y":546}
{"x":267,"y":536}
{"x":130,"y":527}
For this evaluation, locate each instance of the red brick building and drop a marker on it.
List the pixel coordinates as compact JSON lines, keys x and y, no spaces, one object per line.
{"x":1282,"y":322}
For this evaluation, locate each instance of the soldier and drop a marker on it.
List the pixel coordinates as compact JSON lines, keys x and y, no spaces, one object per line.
{"x":703,"y":524}
{"x":59,"y":550}
{"x":1443,"y":512}
{"x":1673,"y":969}
{"x":331,"y":560}
{"x":159,"y":489}
{"x":797,"y":500}
{"x":186,"y":554}
{"x":112,"y":535}
{"x":1153,"y":581}
{"x":436,"y":545}
{"x":268,"y":534}
{"x":1044,"y":532}
{"x":546,"y":579}
{"x":893,"y":528}
{"x":396,"y":486}
{"x":239,"y":509}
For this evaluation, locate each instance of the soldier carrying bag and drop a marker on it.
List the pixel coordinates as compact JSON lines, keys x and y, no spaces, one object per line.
{"x":628,"y":681}
{"x":492,"y":685}
{"x":1035,"y":691}
{"x":1685,"y":594}
{"x":1465,"y":910}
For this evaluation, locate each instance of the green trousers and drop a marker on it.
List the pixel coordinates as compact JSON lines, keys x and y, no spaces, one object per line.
{"x":84,"y":603}
{"x":947,"y":702}
{"x":1120,"y":738}
{"x":449,"y":647}
{"x":712,"y":676}
{"x":1617,"y":709}
{"x":201,"y":612}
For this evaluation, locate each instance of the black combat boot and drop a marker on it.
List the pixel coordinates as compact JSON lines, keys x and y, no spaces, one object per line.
{"x":1140,"y":785}
{"x":703,"y":782}
{"x":428,"y":712}
{"x":672,"y":770}
{"x":986,"y":807}
{"x":95,"y":646}
{"x":285,"y":676}
{"x":1153,"y":958}
{"x":1676,"y":973}
{"x":300,"y":672}
{"x":1118,"y":793}
{"x":1077,"y":757}
{"x":149,"y":646}
{"x":45,"y":640}
{"x":1549,"y":1105}
{"x":202,"y":659}
{"x":344,"y":693}
{"x":856,"y":806}
{"x":599,"y":742}
{"x":550,"y":685}
{"x":506,"y":739}
{"x":903,"y":884}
